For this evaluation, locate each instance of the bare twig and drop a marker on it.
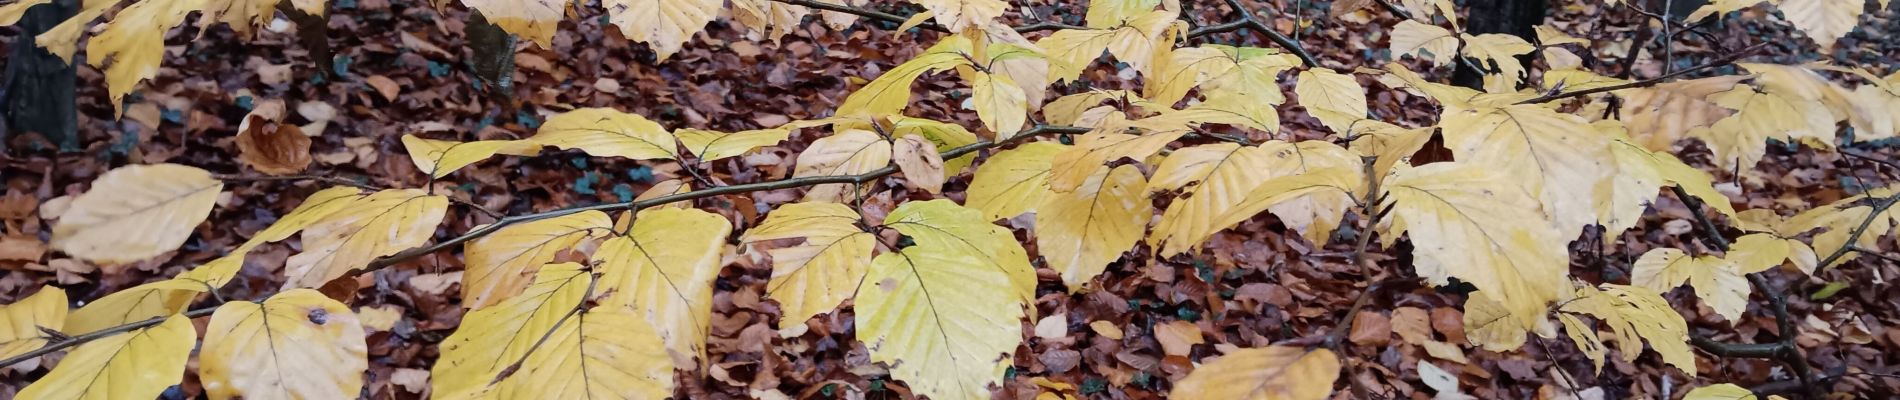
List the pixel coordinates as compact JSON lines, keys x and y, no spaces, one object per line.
{"x":76,"y":340}
{"x":1784,"y":349}
{"x":1724,"y":60}
{"x":1249,"y":21}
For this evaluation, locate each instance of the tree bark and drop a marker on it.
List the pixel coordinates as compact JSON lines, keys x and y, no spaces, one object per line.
{"x":494,"y":55}
{"x":1513,"y":17}
{"x":39,"y":88}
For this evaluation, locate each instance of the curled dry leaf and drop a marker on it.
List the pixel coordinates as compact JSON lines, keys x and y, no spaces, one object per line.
{"x":267,"y":144}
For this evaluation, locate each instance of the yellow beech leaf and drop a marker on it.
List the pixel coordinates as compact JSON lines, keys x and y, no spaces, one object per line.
{"x":296,"y":345}
{"x":1490,"y":325}
{"x":491,"y":340}
{"x":1551,"y":36}
{"x":1577,"y":79}
{"x":603,"y":353}
{"x":1840,"y":220}
{"x":11,"y":13}
{"x":917,"y":158}
{"x":1418,"y":39}
{"x":1273,"y":372}
{"x":136,"y":212}
{"x":246,"y":15}
{"x":1225,"y":70}
{"x":813,"y":277}
{"x":22,"y":321}
{"x":1212,"y":179}
{"x":1721,"y":7}
{"x":1825,"y":21}
{"x":1718,"y":282}
{"x":1068,"y":110}
{"x":664,"y":268}
{"x":946,"y":225}
{"x":1758,"y":252}
{"x":1013,"y":181}
{"x":1659,"y":115}
{"x":1633,"y":185}
{"x":501,"y":264}
{"x":664,"y":25}
{"x":712,"y":145}
{"x":1469,"y":221}
{"x":890,"y":92}
{"x":957,"y":15}
{"x":1081,"y":232}
{"x":1585,"y":337}
{"x":851,"y":152}
{"x":135,"y":43}
{"x":1726,"y":391}
{"x":999,"y":103}
{"x":769,"y":18}
{"x":1024,"y":64}
{"x":1500,"y":49}
{"x":1632,"y":313}
{"x":1336,"y":100}
{"x":534,"y":20}
{"x":133,"y":365}
{"x":439,"y":158}
{"x":1108,"y":14}
{"x":1094,"y":150}
{"x":1317,"y":197}
{"x":945,"y":135}
{"x":139,"y":303}
{"x":1557,"y":157}
{"x":1134,"y":42}
{"x":1740,"y":140}
{"x":945,"y":320}
{"x":376,"y":225}
{"x":605,"y":132}
{"x":313,"y":209}
{"x":63,"y":39}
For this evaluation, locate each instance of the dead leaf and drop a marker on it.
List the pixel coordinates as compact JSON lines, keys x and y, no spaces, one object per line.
{"x":1371,"y":329}
{"x":1178,"y":337}
{"x":1106,"y":329}
{"x":272,"y":148}
{"x":384,"y":86}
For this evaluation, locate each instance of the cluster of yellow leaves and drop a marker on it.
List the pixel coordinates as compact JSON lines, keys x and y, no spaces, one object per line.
{"x":1824,"y":21}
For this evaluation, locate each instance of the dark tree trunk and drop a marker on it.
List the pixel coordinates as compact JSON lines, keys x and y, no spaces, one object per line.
{"x":1514,"y":17}
{"x":494,"y":55}
{"x":39,"y":87}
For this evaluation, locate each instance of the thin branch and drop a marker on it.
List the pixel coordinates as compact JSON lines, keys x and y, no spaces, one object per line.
{"x":1879,"y":209}
{"x":1249,"y":21}
{"x":96,"y":335}
{"x":1724,"y":60}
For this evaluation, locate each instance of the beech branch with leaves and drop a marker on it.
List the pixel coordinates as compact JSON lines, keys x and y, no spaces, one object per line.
{"x":938,"y":291}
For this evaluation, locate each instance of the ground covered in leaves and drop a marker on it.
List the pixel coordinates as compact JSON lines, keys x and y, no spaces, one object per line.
{"x":400,"y":68}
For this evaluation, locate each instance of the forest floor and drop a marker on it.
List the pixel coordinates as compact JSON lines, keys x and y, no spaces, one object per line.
{"x":401,"y":69}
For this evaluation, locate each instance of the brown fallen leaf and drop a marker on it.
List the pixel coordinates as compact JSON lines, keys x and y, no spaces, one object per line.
{"x":1371,"y":329}
{"x":1178,"y":337}
{"x":21,"y":248}
{"x":273,"y":148}
{"x":384,"y":86}
{"x":1413,"y":324}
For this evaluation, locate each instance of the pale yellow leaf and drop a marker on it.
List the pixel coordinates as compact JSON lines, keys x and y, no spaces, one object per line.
{"x":1659,"y":115}
{"x":503,"y":263}
{"x":1418,"y":39}
{"x":890,"y":92}
{"x":1134,"y":42}
{"x":1081,"y":232}
{"x":1718,"y":282}
{"x":1500,"y":49}
{"x":1585,"y":337}
{"x":369,"y":228}
{"x":944,"y":320}
{"x":1013,"y":181}
{"x":713,"y":145}
{"x":1068,"y":110}
{"x":1638,"y":172}
{"x":11,"y":13}
{"x":1726,"y":391}
{"x":534,"y":20}
{"x":957,"y":15}
{"x":139,"y":303}
{"x":1213,"y":179}
{"x":1721,"y":7}
{"x":1027,"y":66}
{"x":1557,"y":157}
{"x":1266,"y":373}
{"x":1824,"y":21}
{"x":1107,"y":14}
{"x":1311,"y":201}
{"x":295,"y":345}
{"x":1336,"y":100}
{"x":664,"y":269}
{"x":135,"y":43}
{"x":1636,"y":315}
{"x":63,"y":39}
{"x":664,"y":25}
{"x":134,"y":365}
{"x":1741,"y":140}
{"x":770,"y":18}
{"x":915,"y":20}
{"x":605,"y":353}
{"x":314,"y":209}
{"x":21,"y":323}
{"x":1471,"y":222}
{"x":945,"y":135}
{"x":1551,"y":36}
{"x":917,"y":158}
{"x":136,"y":212}
{"x":944,"y":224}
{"x":1094,"y":150}
{"x":850,"y":152}
{"x":1491,"y":326}
{"x":439,"y":158}
{"x":605,"y":132}
{"x":491,"y":340}
{"x":999,"y":103}
{"x":813,"y":277}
